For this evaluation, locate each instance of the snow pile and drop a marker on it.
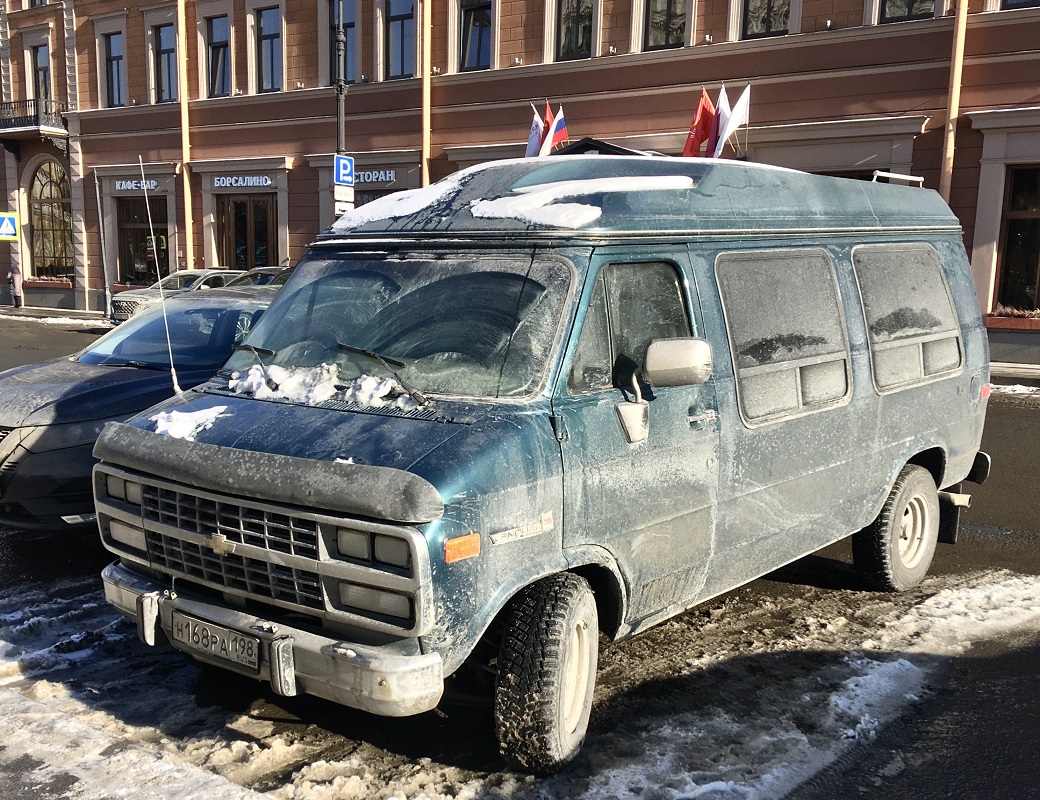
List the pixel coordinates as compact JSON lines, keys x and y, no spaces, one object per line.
{"x":537,"y":204}
{"x":186,"y":424}
{"x":314,"y":385}
{"x":69,"y":322}
{"x":1015,"y":388}
{"x":398,"y":204}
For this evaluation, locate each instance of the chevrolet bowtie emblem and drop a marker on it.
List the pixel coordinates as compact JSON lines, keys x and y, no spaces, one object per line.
{"x":220,"y":545}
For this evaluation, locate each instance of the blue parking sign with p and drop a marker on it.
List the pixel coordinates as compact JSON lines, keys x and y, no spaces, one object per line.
{"x":344,"y":169}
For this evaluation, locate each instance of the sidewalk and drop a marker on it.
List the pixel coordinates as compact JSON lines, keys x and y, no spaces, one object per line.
{"x":43,"y":313}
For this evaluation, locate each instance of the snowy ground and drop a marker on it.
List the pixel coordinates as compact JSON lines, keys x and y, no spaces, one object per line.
{"x":65,"y":322}
{"x":744,"y":697}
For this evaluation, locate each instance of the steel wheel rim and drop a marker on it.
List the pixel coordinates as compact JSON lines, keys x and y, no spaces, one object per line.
{"x":576,"y":675}
{"x":913,"y":528}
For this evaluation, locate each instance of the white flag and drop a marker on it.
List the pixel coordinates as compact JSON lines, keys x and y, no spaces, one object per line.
{"x":715,"y":140}
{"x":534,"y":140}
{"x":736,"y":118}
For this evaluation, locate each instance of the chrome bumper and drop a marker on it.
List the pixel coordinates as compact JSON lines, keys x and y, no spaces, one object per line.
{"x":292,"y":660}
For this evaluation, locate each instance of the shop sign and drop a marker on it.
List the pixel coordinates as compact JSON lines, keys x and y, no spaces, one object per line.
{"x":241,"y":181}
{"x":375,"y":176}
{"x":136,"y":186}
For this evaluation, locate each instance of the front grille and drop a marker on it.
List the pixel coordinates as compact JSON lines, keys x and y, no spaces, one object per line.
{"x":126,"y":307}
{"x":297,"y":586}
{"x":267,"y":529}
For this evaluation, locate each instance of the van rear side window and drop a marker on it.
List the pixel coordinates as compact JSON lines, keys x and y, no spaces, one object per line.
{"x":913,"y":331}
{"x":786,"y":331}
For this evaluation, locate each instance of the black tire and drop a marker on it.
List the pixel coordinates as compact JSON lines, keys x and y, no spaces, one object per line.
{"x":546,"y":673}
{"x":893,"y":553}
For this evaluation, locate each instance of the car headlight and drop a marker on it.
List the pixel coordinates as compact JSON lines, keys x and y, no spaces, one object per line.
{"x":127,"y":491}
{"x":374,"y":547}
{"x":375,"y":601}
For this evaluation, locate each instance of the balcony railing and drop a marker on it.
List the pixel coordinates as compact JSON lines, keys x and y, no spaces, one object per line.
{"x":32,"y":114}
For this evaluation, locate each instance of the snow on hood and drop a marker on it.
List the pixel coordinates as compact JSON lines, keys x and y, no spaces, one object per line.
{"x":186,"y":424}
{"x":537,"y":204}
{"x":313,"y":385}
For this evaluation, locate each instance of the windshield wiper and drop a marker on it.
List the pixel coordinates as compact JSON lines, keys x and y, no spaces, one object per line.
{"x":256,"y":351}
{"x":414,"y":393}
{"x":137,"y":364}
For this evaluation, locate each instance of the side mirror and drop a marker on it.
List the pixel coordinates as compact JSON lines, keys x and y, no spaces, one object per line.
{"x":677,"y":362}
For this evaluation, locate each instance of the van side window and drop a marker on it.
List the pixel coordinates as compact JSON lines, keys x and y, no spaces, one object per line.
{"x":631,"y":305}
{"x":786,"y":331}
{"x":911,"y":323}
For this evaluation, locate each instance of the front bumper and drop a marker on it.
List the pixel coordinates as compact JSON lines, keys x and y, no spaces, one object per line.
{"x":291,"y":660}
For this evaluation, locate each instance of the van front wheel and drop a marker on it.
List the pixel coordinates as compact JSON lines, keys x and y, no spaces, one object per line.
{"x":893,"y":553}
{"x":546,"y":673}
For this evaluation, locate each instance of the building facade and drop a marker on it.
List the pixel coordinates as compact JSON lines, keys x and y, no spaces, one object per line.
{"x":140,"y":137}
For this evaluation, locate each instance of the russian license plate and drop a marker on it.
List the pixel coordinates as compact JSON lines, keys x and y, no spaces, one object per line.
{"x":216,"y":640}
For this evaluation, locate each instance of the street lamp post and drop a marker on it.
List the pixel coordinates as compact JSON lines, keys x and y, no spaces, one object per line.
{"x":341,"y":83}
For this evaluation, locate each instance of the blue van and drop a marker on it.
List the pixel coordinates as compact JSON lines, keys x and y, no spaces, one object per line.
{"x":488,"y":421}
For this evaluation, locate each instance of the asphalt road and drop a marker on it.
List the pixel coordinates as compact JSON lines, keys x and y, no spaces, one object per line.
{"x":974,"y":738}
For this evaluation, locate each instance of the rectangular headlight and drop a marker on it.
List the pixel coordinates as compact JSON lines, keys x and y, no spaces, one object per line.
{"x":118,"y":489}
{"x":127,"y":534}
{"x":393,"y":551}
{"x":353,"y":544}
{"x":376,"y":601}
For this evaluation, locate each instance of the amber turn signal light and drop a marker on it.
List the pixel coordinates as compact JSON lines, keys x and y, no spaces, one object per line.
{"x":461,"y":547}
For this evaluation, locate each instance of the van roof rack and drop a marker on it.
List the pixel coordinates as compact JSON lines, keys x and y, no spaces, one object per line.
{"x":895,"y":176}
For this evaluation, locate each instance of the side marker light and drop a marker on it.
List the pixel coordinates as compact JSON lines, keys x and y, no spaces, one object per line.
{"x":461,"y":547}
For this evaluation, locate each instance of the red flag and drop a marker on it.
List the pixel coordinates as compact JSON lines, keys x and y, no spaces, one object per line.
{"x":701,"y":126}
{"x":547,"y":121}
{"x":556,"y":135}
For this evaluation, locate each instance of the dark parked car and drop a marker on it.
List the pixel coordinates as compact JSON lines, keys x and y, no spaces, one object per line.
{"x":126,"y":304}
{"x":261,"y":276}
{"x":51,"y":413}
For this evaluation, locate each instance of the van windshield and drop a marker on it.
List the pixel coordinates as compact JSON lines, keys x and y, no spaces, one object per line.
{"x":468,"y":326}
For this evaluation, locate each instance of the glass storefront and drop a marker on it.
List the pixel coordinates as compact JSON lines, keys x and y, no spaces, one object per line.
{"x":1020,"y":241}
{"x":141,"y":260}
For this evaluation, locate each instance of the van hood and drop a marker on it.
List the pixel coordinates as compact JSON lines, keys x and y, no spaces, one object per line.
{"x":364,"y":436}
{"x":65,"y":391}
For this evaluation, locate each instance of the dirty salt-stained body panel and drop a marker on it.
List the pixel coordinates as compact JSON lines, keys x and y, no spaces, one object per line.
{"x":468,"y":300}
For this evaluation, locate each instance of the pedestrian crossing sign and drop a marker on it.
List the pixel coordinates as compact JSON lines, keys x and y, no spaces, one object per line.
{"x":8,"y":226}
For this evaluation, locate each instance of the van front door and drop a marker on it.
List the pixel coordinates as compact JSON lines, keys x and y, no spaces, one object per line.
{"x":651,"y":503}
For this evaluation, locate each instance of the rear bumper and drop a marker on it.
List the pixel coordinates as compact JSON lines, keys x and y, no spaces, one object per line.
{"x":292,"y":660}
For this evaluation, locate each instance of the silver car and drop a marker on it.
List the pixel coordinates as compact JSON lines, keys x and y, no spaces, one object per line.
{"x":126,"y":304}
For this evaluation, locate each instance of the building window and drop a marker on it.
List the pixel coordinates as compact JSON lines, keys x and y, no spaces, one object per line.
{"x":574,"y":30}
{"x":115,"y":71}
{"x":41,"y":66}
{"x":768,"y":17}
{"x":218,"y":83}
{"x":477,"y":25}
{"x":247,"y":230}
{"x":142,"y":259}
{"x":1019,"y":282}
{"x":665,"y":24}
{"x":1012,"y":4}
{"x":164,"y":42}
{"x":342,"y":14}
{"x":269,"y":50}
{"x":903,"y":10}
{"x":36,"y":3}
{"x":50,"y":223}
{"x":399,"y":52}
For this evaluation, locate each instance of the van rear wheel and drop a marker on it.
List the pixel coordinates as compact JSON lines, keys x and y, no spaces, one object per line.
{"x":893,"y":553}
{"x":546,"y":673}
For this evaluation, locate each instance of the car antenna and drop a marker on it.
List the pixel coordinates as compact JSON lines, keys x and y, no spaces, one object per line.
{"x":155,"y":258}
